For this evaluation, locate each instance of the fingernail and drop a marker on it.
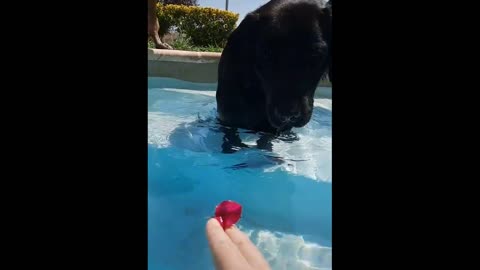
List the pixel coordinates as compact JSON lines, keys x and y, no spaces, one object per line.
{"x":219,"y":219}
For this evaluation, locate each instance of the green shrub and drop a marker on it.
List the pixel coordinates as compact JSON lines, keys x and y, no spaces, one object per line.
{"x":185,"y":44}
{"x":179,"y":2}
{"x":202,"y":25}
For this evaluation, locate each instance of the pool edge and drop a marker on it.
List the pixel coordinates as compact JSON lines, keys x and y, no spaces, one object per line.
{"x":190,"y":66}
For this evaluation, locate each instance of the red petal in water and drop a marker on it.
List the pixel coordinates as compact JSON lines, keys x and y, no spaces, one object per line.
{"x":228,"y":213}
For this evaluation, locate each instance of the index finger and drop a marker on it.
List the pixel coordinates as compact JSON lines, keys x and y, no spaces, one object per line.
{"x":225,"y":253}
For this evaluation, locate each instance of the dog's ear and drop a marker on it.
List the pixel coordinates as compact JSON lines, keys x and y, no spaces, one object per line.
{"x":249,"y":27}
{"x":243,"y":39}
{"x":325,"y":21}
{"x":326,"y":26}
{"x":328,"y":6}
{"x":239,"y":52}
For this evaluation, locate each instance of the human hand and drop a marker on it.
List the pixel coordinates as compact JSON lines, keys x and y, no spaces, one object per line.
{"x":232,"y":249}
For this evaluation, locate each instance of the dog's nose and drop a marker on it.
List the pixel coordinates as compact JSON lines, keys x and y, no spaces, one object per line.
{"x":291,"y":116}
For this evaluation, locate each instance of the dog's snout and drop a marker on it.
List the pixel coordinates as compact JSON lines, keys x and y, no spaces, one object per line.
{"x":289,"y":116}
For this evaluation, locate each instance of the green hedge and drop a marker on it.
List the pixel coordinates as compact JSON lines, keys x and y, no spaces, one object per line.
{"x":203,"y":26}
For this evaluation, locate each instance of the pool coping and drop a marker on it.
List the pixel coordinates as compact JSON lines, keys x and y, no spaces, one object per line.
{"x":191,"y":66}
{"x":183,"y":56}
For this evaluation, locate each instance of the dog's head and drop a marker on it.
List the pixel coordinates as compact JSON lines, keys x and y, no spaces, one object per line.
{"x":292,"y":53}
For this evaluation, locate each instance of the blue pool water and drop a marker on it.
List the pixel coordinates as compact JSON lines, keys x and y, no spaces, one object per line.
{"x":287,"y":207}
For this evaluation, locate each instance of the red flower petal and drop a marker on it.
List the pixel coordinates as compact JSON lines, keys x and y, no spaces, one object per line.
{"x":228,"y":213}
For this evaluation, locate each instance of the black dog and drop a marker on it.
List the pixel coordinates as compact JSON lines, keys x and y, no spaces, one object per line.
{"x":272,"y":64}
{"x":270,"y":68}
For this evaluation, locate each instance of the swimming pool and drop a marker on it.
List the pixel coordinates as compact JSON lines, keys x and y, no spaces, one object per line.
{"x":287,"y":206}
